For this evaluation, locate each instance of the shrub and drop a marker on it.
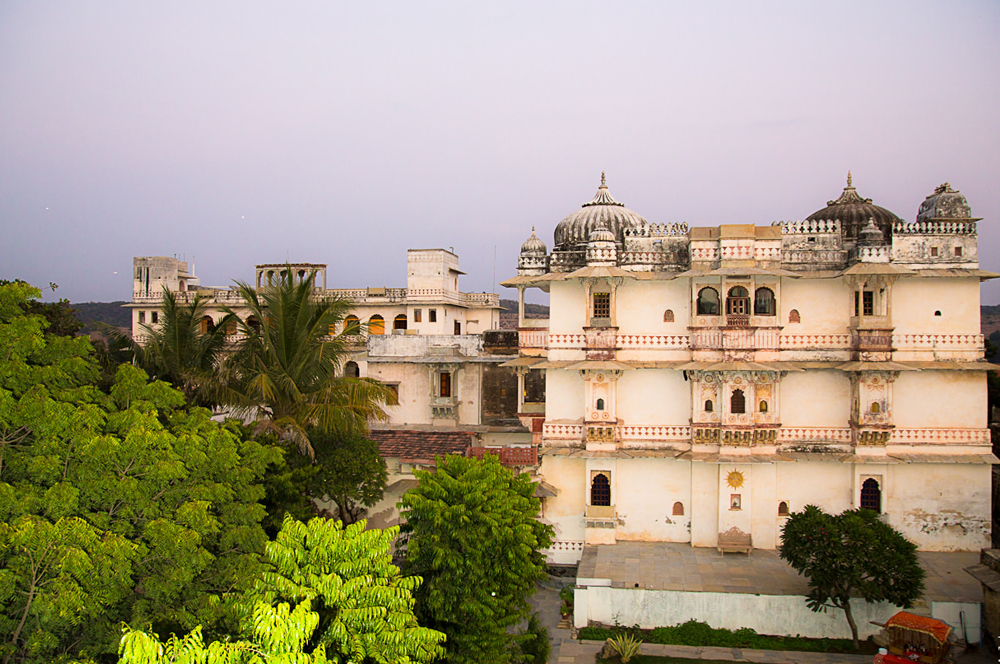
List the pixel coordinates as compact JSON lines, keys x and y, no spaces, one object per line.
{"x":535,"y":646}
{"x":624,"y":646}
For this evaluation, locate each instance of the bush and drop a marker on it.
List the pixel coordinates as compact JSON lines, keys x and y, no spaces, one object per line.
{"x":566,"y":595}
{"x":624,"y":646}
{"x":535,"y":646}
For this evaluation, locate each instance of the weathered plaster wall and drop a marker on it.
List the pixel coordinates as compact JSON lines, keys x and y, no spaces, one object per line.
{"x":567,"y":308}
{"x":641,"y":305}
{"x":958,"y":399}
{"x":815,"y":398}
{"x":646,"y":492}
{"x":565,"y":511}
{"x":564,"y":395}
{"x":914,"y":302}
{"x":654,"y":397}
{"x":704,"y":504}
{"x":940,"y":507}
{"x":823,"y":304}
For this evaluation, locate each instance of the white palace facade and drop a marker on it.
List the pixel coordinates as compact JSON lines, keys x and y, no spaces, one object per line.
{"x":702,"y":383}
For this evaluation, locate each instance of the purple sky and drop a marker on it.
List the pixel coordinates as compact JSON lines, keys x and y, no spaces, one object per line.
{"x":241,"y":132}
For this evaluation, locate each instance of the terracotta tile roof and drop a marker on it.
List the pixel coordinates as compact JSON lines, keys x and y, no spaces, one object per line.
{"x":421,"y":445}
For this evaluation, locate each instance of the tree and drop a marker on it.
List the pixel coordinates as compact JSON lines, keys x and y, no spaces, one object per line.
{"x":351,"y":472}
{"x":332,"y":594}
{"x":179,"y":350}
{"x":284,"y":372}
{"x":113,"y":506}
{"x":475,"y":539}
{"x":851,"y":553}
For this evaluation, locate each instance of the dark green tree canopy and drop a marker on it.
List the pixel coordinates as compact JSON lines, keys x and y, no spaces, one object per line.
{"x":851,"y":554}
{"x":475,"y":539}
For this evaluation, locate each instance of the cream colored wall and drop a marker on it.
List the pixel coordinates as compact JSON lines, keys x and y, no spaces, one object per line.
{"x":823,"y":304}
{"x":564,"y":395}
{"x":940,"y":399}
{"x":704,"y":504}
{"x":764,"y":507}
{"x":646,"y":492}
{"x":468,"y":383}
{"x":654,"y":396}
{"x":815,"y":398}
{"x":565,"y":511}
{"x":940,"y":507}
{"x":640,"y":306}
{"x":824,"y":484}
{"x":414,"y":390}
{"x":567,"y":307}
{"x":914,"y":302}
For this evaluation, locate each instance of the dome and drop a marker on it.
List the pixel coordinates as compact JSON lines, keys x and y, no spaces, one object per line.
{"x":533,"y":245}
{"x":944,"y":203}
{"x":854,"y":213}
{"x":602,"y":210}
{"x":601,"y":233}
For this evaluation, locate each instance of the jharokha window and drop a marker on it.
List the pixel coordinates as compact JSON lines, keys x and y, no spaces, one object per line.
{"x":763,"y":302}
{"x":376,"y":325}
{"x":708,"y":302}
{"x":871,"y":495}
{"x":352,"y":325}
{"x":600,"y":490}
{"x":602,"y":305}
{"x":444,"y":384}
{"x":738,"y":402}
{"x":738,"y":302}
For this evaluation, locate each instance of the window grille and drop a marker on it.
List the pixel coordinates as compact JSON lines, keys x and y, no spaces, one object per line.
{"x":600,"y":491}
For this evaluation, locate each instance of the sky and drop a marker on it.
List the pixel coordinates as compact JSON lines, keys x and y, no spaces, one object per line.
{"x":237,"y":133}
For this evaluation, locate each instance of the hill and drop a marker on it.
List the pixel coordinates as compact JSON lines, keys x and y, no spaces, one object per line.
{"x":93,"y":314}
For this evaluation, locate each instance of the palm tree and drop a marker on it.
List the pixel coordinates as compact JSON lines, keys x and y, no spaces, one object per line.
{"x":183,"y":348}
{"x":285,"y":372}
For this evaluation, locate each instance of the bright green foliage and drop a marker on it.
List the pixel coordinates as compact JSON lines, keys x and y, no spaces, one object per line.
{"x":350,"y":471}
{"x":113,"y":506}
{"x":535,"y":645}
{"x":284,"y":372}
{"x":853,"y":553}
{"x":179,"y":351}
{"x":625,"y":646}
{"x":475,"y":540}
{"x":332,"y":595}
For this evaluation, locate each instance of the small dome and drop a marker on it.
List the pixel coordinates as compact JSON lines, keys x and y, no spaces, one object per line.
{"x":944,"y":203}
{"x":601,"y":232}
{"x":854,"y":213}
{"x":577,"y":227}
{"x":870,"y":235}
{"x":533,"y":245}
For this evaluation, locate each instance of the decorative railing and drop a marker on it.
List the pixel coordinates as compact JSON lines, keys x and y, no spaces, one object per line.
{"x":533,"y":337}
{"x":814,"y":256}
{"x":645,"y":257}
{"x":874,"y":254}
{"x":657,"y":432}
{"x":658,"y":230}
{"x":763,"y":253}
{"x":872,"y":340}
{"x":597,"y":254}
{"x":562,"y":431}
{"x":567,"y":340}
{"x":705,"y":253}
{"x":940,"y":437}
{"x":738,"y":252}
{"x":934,"y":228}
{"x":814,"y":341}
{"x":509,"y":456}
{"x":938,"y":341}
{"x":565,"y":546}
{"x":738,"y":320}
{"x":808,"y":227}
{"x":807,"y":434}
{"x":710,"y":337}
{"x":653,"y":341}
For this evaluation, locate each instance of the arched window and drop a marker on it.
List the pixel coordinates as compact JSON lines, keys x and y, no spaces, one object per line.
{"x":793,"y":316}
{"x":253,"y":323}
{"x":708,"y":302}
{"x":376,"y":325}
{"x":352,"y":325}
{"x":763,"y":302}
{"x":399,"y":323}
{"x":351,"y":370}
{"x":270,"y":277}
{"x":231,"y":328}
{"x":668,"y":316}
{"x":871,"y":495}
{"x":600,"y":404}
{"x":709,"y":406}
{"x":763,"y":407}
{"x":738,"y":301}
{"x":737,"y":403}
{"x":876,"y":408}
{"x":301,"y":275}
{"x":678,"y":509}
{"x":600,"y":490}
{"x":207,"y":325}
{"x":154,"y":316}
{"x":782,"y":508}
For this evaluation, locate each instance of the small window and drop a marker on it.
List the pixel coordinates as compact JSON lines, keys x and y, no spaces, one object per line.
{"x":394,"y":388}
{"x":763,"y":407}
{"x":678,"y":509}
{"x":871,"y":495}
{"x":253,"y":323}
{"x":352,"y":370}
{"x":709,"y":406}
{"x":155,"y":317}
{"x":934,"y":251}
{"x":352,"y":325}
{"x":432,"y":315}
{"x":763,"y":303}
{"x":600,"y":491}
{"x":869,"y":303}
{"x":708,"y":302}
{"x":738,"y":402}
{"x":418,"y":315}
{"x":458,"y":328}
{"x":231,"y":328}
{"x":668,"y":316}
{"x":937,"y":313}
{"x":207,"y":325}
{"x":782,"y":508}
{"x":793,"y":316}
{"x":444,"y":384}
{"x":738,"y":301}
{"x":602,"y":305}
{"x":399,"y":322}
{"x":331,"y":329}
{"x":600,"y":404}
{"x":958,"y":252}
{"x":142,"y":316}
{"x":875,"y":408}
{"x":735,"y":502}
{"x":376,"y":325}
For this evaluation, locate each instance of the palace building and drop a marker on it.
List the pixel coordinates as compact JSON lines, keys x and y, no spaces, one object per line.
{"x":699,"y":384}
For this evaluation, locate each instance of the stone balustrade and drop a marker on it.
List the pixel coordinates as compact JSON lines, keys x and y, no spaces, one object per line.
{"x":934,"y":228}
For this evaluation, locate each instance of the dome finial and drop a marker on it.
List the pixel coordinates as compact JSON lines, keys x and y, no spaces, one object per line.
{"x":604,"y":182}
{"x":849,"y":178}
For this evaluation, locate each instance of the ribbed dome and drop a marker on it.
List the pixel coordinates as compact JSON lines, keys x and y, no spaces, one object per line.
{"x":944,"y":203}
{"x":533,"y":245}
{"x":854,"y":213}
{"x":602,"y":211}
